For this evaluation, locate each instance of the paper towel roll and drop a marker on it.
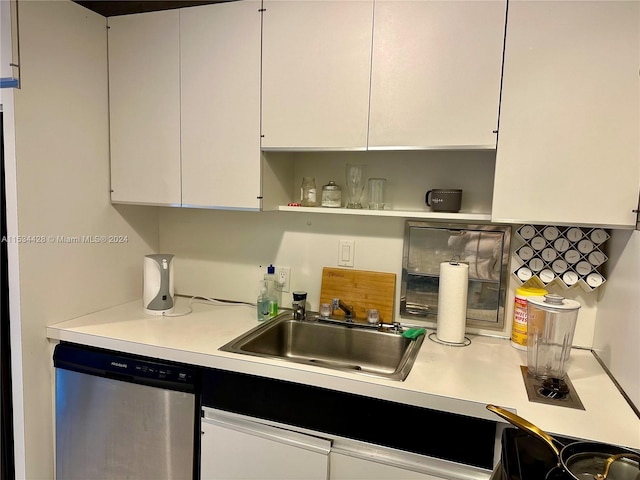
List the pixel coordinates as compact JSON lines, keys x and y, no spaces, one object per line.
{"x":452,"y":302}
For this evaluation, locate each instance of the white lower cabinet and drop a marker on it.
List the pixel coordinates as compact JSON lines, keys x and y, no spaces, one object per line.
{"x":344,"y":467}
{"x":360,"y":461}
{"x":236,"y":448}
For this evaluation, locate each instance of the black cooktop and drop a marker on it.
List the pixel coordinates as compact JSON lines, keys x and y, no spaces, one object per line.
{"x":525,"y":457}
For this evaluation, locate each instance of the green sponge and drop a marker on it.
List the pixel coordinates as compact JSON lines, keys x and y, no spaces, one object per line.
{"x":413,"y":333}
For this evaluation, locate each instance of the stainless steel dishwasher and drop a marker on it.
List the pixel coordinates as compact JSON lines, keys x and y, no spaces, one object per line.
{"x":122,"y":416}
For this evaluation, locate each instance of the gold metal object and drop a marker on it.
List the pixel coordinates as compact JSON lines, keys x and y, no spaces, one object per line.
{"x":525,"y":425}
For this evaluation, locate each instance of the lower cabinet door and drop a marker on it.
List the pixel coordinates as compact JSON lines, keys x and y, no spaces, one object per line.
{"x":368,"y":463}
{"x":344,"y":467}
{"x":240,"y":449}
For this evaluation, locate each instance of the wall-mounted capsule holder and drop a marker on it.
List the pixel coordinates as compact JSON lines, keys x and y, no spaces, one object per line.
{"x":566,"y":256}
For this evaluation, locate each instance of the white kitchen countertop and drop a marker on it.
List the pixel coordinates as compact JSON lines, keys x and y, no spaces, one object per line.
{"x":454,"y":379}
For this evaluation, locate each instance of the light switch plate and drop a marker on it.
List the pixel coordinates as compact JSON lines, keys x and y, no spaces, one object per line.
{"x":346,"y":252}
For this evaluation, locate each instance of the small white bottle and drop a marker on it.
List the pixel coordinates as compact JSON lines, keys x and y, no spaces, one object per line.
{"x":262,"y":304}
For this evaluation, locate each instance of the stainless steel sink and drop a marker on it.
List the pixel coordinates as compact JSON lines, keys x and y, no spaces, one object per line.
{"x":337,"y":345}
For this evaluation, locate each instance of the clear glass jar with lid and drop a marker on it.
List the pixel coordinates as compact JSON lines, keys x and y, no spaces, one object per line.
{"x":308,"y":197}
{"x":331,"y":195}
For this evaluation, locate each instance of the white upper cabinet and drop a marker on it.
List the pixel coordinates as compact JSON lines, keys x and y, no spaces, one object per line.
{"x":569,"y":141}
{"x":185,"y":106}
{"x":316,"y":73}
{"x":220,"y":89}
{"x":144,"y":108}
{"x":436,"y":67}
{"x":415,"y":73}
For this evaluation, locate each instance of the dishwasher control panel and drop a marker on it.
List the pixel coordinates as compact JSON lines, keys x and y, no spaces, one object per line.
{"x":127,"y":368}
{"x":162,"y":372}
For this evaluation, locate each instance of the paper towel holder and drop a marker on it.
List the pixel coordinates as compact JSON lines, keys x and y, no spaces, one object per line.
{"x":453,"y":260}
{"x":460,"y":271}
{"x":434,"y":338}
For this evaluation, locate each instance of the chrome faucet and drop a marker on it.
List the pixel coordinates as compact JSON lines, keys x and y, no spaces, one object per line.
{"x":298,"y":312}
{"x":347,"y":309}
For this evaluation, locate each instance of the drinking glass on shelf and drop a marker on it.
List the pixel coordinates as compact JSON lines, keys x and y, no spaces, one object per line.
{"x":355,"y":185}
{"x":376,"y":193}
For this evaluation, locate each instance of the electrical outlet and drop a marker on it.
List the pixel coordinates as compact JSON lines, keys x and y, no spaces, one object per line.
{"x":283,"y":276}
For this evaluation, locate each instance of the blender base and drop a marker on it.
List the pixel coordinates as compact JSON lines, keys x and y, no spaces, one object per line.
{"x":562,"y":394}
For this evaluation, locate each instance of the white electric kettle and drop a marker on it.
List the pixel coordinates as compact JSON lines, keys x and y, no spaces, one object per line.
{"x":157,"y":295}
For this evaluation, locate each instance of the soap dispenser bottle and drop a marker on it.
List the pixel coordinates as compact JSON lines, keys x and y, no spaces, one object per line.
{"x":262,"y":304}
{"x":272,"y":290}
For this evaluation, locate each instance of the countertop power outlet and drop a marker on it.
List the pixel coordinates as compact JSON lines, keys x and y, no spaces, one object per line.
{"x":283,"y":276}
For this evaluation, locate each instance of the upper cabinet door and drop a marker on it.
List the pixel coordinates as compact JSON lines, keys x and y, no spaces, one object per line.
{"x":569,"y":141}
{"x":144,"y":103}
{"x":220,"y":65}
{"x":435,"y":80}
{"x":315,"y":74}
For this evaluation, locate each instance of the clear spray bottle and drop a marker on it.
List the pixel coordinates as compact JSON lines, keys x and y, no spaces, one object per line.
{"x":273,"y":292}
{"x":262,"y":304}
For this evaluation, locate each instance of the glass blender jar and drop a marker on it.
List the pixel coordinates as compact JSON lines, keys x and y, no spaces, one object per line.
{"x":551,"y":323}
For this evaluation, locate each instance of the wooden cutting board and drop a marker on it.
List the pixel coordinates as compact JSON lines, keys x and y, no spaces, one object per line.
{"x":361,"y":289}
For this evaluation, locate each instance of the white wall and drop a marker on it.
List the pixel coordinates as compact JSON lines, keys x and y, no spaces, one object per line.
{"x":617,"y":332}
{"x":223,"y":254}
{"x":62,"y":183}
